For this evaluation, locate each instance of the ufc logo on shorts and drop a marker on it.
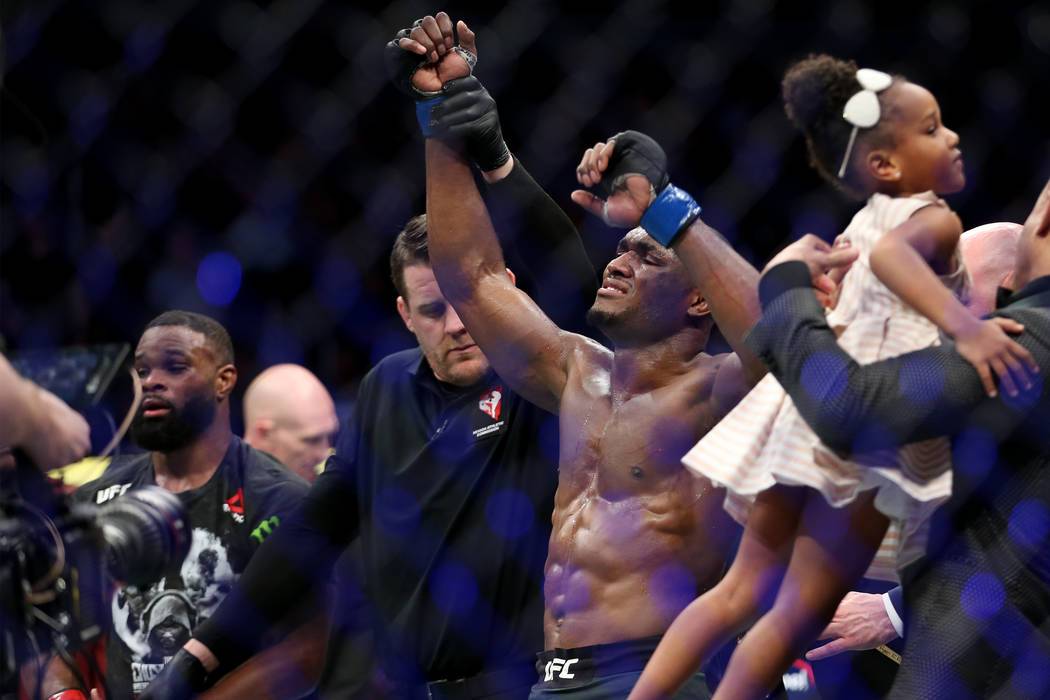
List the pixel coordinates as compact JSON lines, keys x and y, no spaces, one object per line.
{"x":556,"y":665}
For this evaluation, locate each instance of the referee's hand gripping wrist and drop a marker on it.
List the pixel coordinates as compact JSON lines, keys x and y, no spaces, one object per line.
{"x":467,"y":118}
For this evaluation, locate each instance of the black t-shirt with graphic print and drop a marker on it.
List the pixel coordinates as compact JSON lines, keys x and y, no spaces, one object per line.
{"x":451,"y":491}
{"x":230,"y":515}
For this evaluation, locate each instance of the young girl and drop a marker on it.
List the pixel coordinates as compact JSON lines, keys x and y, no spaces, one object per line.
{"x":815,"y":521}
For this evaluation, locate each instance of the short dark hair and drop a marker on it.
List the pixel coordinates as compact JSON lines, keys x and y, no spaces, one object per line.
{"x":815,"y":91}
{"x":410,"y":248}
{"x":211,"y":329}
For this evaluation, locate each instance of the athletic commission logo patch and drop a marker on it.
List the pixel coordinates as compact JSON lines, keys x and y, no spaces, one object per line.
{"x":490,"y":403}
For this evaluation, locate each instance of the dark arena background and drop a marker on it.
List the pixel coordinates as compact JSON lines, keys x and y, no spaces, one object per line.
{"x":249,"y":160}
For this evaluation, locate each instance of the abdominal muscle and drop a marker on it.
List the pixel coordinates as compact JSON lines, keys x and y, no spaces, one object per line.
{"x":623,"y":569}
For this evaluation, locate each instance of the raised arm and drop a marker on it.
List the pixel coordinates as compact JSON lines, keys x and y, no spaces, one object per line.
{"x":541,"y":243}
{"x":521,"y":342}
{"x":524,"y":346}
{"x":632,"y":169}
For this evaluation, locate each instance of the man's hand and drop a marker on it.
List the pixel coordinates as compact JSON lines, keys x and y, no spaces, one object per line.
{"x":468,"y":116}
{"x":630,"y":168}
{"x":860,"y":622}
{"x":826,"y":264}
{"x":423,"y":57}
{"x":57,"y":434}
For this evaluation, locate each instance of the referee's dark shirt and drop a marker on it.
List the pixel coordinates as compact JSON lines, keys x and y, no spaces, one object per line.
{"x":451,"y":491}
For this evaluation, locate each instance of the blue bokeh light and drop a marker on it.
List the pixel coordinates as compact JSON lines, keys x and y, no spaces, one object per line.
{"x":974,"y":452}
{"x":982,"y":596}
{"x":219,"y":278}
{"x":1029,"y":524}
{"x":921,"y":380}
{"x":823,"y":375}
{"x":1031,"y":676}
{"x":453,"y":587}
{"x":671,"y":588}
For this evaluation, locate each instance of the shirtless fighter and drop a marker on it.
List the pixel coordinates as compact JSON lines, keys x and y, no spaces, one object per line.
{"x":635,"y":536}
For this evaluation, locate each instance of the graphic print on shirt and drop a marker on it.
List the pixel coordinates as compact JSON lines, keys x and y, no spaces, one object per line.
{"x":490,"y":402}
{"x":234,"y":505}
{"x":156,"y":621}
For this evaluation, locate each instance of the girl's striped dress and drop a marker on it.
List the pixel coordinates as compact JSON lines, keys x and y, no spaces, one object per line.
{"x":764,"y":440}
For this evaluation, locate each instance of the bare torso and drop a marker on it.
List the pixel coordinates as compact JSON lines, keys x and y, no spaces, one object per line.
{"x":636,"y":536}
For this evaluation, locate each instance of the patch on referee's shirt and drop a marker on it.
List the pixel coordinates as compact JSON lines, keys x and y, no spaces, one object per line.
{"x":490,"y":404}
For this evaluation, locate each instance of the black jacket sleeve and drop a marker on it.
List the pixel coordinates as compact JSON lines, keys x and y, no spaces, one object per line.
{"x":543,"y":248}
{"x":861,"y":409}
{"x":292,"y":564}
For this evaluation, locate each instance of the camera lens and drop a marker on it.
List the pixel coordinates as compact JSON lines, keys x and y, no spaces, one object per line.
{"x":145,"y":531}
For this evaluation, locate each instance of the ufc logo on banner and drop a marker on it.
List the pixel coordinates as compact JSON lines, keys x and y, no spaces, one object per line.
{"x":559,"y":667}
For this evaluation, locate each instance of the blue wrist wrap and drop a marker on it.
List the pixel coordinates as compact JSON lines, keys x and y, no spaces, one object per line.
{"x":670,"y":212}
{"x":423,"y":108}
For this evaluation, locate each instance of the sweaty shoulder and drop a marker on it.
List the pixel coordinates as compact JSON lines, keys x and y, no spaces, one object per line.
{"x":587,"y":359}
{"x":584,"y":351}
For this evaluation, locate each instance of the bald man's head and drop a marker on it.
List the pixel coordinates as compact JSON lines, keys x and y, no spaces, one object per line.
{"x":289,"y":413}
{"x":990,"y":253}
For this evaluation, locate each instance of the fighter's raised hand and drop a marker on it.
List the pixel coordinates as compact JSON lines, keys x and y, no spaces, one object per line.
{"x":630,"y":169}
{"x":423,"y":57}
{"x":622,"y":207}
{"x":633,"y":177}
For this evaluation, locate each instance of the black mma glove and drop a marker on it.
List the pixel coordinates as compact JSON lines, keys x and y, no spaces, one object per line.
{"x":673,"y":209}
{"x":401,"y":65}
{"x":181,"y":678}
{"x":468,"y":115}
{"x":635,"y":153}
